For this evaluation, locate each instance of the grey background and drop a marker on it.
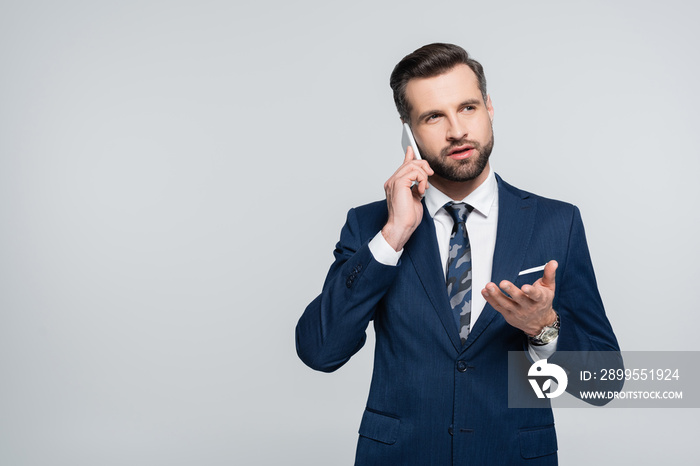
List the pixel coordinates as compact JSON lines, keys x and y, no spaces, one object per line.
{"x":174,"y":176}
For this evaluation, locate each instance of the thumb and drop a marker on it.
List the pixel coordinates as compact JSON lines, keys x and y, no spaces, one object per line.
{"x":549,"y":274}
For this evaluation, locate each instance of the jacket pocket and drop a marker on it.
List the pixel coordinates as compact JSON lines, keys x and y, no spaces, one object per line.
{"x":538,"y":441}
{"x":379,"y":427}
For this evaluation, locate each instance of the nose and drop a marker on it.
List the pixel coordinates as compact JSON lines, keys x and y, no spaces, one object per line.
{"x":457,"y":128}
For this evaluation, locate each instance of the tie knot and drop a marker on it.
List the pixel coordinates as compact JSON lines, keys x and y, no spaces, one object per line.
{"x":458,"y":211}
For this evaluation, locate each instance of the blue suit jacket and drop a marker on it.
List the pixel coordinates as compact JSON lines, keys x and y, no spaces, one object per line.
{"x":434,"y":401}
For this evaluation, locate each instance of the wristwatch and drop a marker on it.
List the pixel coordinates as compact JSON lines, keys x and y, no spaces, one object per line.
{"x":547,"y":334}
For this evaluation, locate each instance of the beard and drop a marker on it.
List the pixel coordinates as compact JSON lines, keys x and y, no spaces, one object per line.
{"x":461,"y":170}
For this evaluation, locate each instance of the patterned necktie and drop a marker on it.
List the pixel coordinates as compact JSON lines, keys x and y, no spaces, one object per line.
{"x":459,"y":268}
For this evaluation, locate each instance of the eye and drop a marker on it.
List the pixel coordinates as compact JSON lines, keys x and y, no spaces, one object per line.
{"x":469,"y":108}
{"x":432,"y":117}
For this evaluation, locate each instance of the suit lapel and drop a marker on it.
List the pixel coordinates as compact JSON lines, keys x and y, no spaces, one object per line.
{"x":422,"y":249}
{"x":516,"y":221}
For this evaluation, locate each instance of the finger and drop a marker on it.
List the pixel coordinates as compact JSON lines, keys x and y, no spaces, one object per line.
{"x":409,"y":163}
{"x":422,"y":183}
{"x":549,"y":274}
{"x":426,"y":166}
{"x":409,"y":155}
{"x":533,"y":293}
{"x":403,"y":167}
{"x":495,"y":297}
{"x":420,"y":164}
{"x":515,"y":293}
{"x":409,"y":173}
{"x":421,"y":186}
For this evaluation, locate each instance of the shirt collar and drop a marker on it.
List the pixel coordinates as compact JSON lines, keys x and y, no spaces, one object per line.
{"x":481,"y":199}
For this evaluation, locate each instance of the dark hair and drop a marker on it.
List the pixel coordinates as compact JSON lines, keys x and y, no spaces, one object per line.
{"x":426,"y":62}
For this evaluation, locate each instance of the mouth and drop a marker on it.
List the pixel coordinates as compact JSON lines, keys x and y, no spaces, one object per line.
{"x":461,"y":152}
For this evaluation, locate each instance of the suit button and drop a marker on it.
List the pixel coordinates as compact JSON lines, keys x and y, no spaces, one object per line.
{"x":462,"y":366}
{"x":450,"y":430}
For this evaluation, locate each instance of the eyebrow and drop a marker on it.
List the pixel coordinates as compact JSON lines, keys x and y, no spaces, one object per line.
{"x":463,"y":104}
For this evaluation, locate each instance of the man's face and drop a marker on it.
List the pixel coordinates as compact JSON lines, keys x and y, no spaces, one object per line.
{"x":452,"y":123}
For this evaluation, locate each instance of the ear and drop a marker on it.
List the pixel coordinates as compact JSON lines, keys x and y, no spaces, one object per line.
{"x":489,"y":106}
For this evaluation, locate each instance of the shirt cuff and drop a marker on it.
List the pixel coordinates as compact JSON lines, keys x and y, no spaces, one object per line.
{"x":383,"y":252}
{"x":542,"y":351}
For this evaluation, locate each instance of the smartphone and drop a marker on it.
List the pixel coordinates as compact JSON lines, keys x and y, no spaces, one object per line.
{"x":408,"y":140}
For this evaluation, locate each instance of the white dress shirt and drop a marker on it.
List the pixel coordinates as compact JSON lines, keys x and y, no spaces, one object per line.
{"x":482,"y":224}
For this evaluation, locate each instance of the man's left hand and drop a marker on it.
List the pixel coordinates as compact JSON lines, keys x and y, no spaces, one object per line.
{"x":528,"y":308}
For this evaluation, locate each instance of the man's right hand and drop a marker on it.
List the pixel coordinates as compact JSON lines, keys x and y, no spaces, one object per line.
{"x":404,"y":202}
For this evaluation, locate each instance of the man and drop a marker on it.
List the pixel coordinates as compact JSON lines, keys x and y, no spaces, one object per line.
{"x":449,"y":225}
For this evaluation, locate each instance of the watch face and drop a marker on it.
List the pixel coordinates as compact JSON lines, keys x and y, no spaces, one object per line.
{"x":549,"y":334}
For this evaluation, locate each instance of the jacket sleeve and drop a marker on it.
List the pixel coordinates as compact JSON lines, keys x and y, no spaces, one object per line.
{"x":332,"y":328}
{"x":586,"y":339}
